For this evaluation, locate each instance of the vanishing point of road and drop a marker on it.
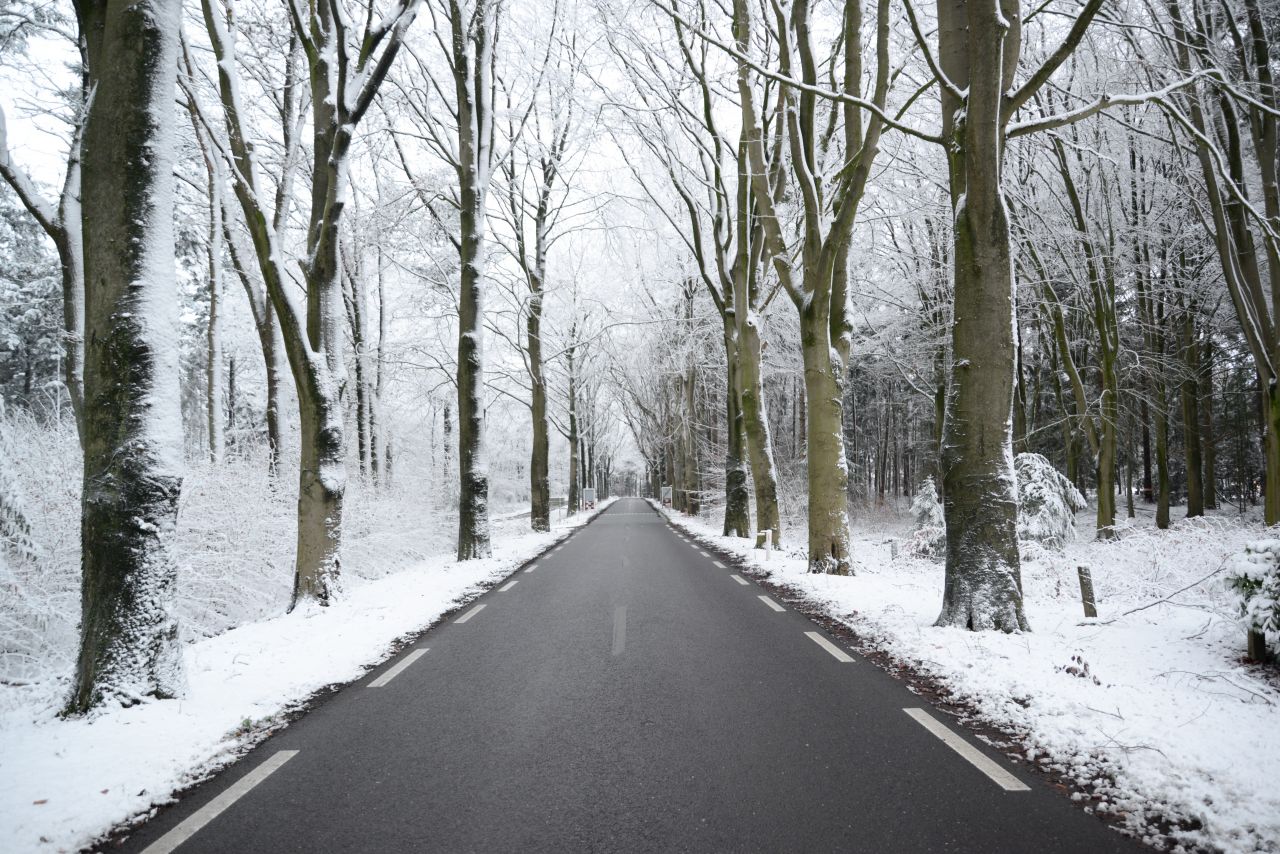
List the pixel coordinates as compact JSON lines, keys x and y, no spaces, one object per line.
{"x":626,"y":691}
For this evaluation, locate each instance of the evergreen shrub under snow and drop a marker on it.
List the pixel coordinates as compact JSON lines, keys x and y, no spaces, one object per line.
{"x":1255,"y":577}
{"x":929,"y":535}
{"x":1047,"y":502}
{"x":1047,"y":507}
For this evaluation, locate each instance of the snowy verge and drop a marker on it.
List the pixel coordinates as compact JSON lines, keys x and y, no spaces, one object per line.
{"x":65,"y":783}
{"x":1150,"y":715}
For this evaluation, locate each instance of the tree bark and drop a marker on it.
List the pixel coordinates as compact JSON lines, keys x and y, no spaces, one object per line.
{"x":1209,"y":444}
{"x":539,"y":455}
{"x":737,"y":498}
{"x":473,"y":41}
{"x":1189,"y":398}
{"x":756,"y":423}
{"x":983,"y":588}
{"x":133,"y":428}
{"x":213,"y":334}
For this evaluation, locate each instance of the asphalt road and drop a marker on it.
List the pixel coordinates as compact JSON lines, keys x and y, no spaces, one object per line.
{"x":627,"y":693}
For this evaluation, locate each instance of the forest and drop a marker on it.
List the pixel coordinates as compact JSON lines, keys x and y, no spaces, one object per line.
{"x":960,"y":299}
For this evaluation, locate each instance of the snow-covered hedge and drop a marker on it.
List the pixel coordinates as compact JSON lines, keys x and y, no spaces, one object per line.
{"x":1047,"y":502}
{"x":1255,"y":577}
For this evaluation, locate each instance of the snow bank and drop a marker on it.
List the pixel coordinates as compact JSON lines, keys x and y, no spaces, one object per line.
{"x":1151,"y":711}
{"x":65,"y":783}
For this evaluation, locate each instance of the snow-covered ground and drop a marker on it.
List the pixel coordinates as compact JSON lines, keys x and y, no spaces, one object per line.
{"x":63,"y":783}
{"x":1148,"y":708}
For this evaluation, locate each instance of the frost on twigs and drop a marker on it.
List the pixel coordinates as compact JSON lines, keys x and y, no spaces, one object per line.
{"x":1047,"y":502}
{"x":1255,"y":577}
{"x":929,"y":534}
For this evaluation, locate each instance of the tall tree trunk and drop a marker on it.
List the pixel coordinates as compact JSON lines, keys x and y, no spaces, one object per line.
{"x":473,"y":39}
{"x":1162,"y":456}
{"x":322,"y":474}
{"x":575,"y":488}
{"x":1210,"y":443}
{"x":133,"y":427}
{"x":1190,"y":401}
{"x":1148,"y":488}
{"x":321,"y":493}
{"x":737,"y":497}
{"x":830,"y":549}
{"x":756,"y":423}
{"x":983,"y":588}
{"x":539,"y":455}
{"x":213,"y":333}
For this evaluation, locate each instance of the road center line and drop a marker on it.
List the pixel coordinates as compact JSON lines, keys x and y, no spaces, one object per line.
{"x":739,"y":579}
{"x":619,"y":629}
{"x":836,"y":652}
{"x":207,"y":813}
{"x":772,"y":604}
{"x":467,"y":616}
{"x":975,"y":757}
{"x":718,"y":564}
{"x":398,"y":669}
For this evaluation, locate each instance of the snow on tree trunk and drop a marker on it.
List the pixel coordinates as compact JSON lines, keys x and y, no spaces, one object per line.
{"x":213,"y":334}
{"x":539,"y":455}
{"x":737,"y":499}
{"x":983,"y":587}
{"x":756,"y":424}
{"x":473,"y":43}
{"x":830,"y":550}
{"x":133,"y":429}
{"x":321,"y":488}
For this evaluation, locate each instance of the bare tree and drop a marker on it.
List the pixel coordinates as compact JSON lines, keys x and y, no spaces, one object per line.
{"x":817,"y":281}
{"x":345,"y":69}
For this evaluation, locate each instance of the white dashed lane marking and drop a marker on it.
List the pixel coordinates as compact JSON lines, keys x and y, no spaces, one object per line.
{"x":772,"y":604}
{"x":398,"y":669}
{"x":836,"y":652}
{"x":512,"y":583}
{"x":467,"y":616}
{"x":739,"y":579}
{"x":215,"y":807}
{"x":971,"y":754}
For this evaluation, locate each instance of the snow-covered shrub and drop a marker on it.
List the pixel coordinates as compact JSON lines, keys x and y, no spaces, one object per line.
{"x":1047,"y":502}
{"x":929,"y":535}
{"x":1255,"y":577}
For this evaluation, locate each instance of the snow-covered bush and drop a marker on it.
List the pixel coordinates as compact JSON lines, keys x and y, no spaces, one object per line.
{"x":1047,"y":502}
{"x":929,"y":535}
{"x":1255,"y":577}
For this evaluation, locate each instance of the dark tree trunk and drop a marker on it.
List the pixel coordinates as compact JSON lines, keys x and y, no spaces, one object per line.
{"x":539,"y":455}
{"x":983,"y":588}
{"x":473,"y":41}
{"x":1189,"y":395}
{"x":133,"y":440}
